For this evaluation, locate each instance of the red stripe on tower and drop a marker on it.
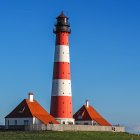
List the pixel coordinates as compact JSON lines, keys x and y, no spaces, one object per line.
{"x":61,"y":97}
{"x":61,"y":70}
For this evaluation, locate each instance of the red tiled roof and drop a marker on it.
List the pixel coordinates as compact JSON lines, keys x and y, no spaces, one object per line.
{"x":32,"y":109}
{"x":89,"y":113}
{"x":39,"y":112}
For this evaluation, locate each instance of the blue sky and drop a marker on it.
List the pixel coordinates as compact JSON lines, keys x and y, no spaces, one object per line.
{"x":105,"y":54}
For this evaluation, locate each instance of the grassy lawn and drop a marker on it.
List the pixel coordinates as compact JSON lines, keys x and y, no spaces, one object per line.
{"x":49,"y":135}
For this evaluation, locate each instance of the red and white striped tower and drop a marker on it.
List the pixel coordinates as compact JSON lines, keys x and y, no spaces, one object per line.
{"x":61,"y":96}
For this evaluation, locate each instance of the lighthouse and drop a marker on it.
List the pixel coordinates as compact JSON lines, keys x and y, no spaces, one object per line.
{"x":61,"y":95}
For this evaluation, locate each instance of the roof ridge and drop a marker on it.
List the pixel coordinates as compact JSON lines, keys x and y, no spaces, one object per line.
{"x":87,"y":111}
{"x":100,"y":116}
{"x":40,"y":113}
{"x":29,"y":107}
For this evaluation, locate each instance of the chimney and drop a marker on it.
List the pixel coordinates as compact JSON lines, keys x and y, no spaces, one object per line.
{"x":87,"y":103}
{"x":31,"y":97}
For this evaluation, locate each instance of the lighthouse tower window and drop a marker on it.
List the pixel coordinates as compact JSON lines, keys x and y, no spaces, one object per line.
{"x":65,"y":20}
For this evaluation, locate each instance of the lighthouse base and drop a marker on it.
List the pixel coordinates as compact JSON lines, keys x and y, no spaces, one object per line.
{"x":65,"y":120}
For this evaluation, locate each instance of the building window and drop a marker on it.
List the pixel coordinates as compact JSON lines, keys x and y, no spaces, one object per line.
{"x":15,"y":122}
{"x":26,"y":122}
{"x":113,"y":128}
{"x":79,"y":117}
{"x":50,"y":122}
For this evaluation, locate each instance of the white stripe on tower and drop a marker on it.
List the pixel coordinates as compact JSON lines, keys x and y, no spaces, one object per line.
{"x":61,"y":88}
{"x":62,"y":53}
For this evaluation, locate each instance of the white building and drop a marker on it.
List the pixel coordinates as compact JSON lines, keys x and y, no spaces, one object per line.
{"x":29,"y":112}
{"x":87,"y":115}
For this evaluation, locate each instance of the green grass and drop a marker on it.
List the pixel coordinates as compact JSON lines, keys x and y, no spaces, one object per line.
{"x":49,"y":135}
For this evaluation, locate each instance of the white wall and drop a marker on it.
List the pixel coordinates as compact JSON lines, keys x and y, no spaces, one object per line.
{"x":60,"y":127}
{"x":20,"y":121}
{"x":65,"y":120}
{"x":36,"y":121}
{"x":87,"y":122}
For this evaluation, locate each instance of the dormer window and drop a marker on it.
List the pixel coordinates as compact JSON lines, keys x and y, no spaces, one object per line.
{"x":21,"y":110}
{"x":80,"y":117}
